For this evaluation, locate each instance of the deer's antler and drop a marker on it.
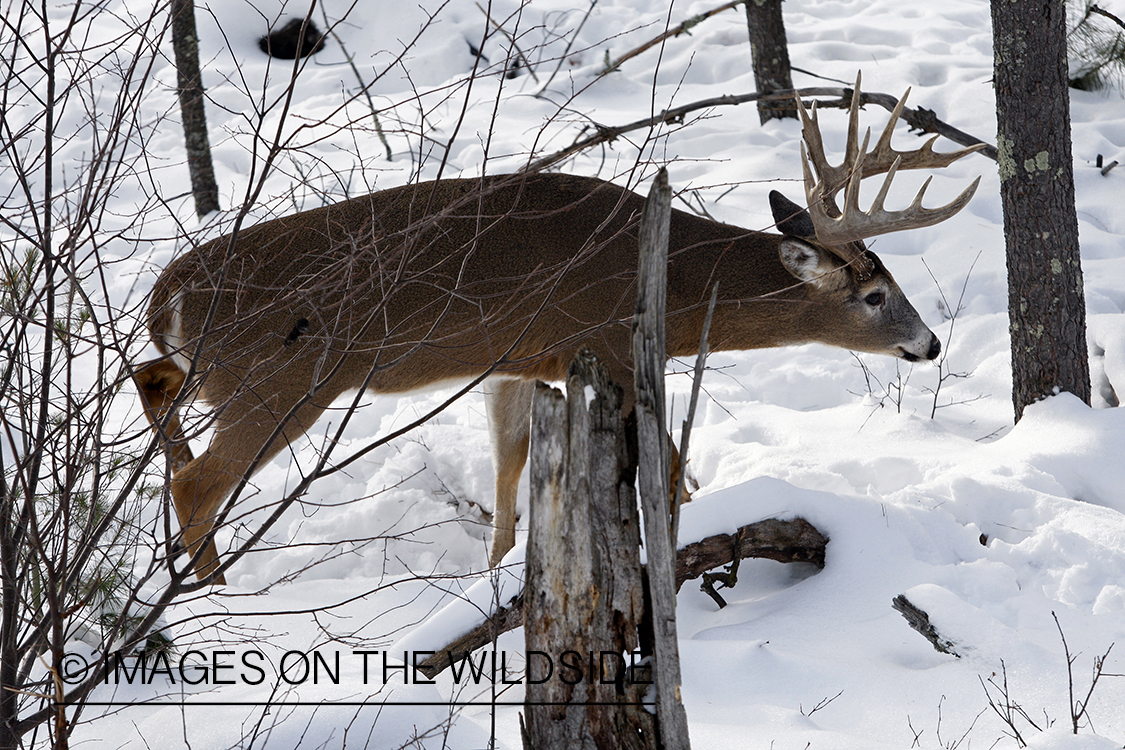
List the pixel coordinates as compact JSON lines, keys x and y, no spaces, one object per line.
{"x":838,"y":229}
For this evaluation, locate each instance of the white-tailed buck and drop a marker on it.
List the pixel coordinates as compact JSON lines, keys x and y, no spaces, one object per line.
{"x":442,"y":282}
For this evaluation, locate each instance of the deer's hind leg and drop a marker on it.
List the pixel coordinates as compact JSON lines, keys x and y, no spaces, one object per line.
{"x":508,"y":405}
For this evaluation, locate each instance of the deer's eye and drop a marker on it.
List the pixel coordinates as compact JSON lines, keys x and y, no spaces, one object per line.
{"x":875,"y":299}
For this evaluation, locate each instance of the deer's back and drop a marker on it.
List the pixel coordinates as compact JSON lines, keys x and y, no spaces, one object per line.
{"x":426,"y":282}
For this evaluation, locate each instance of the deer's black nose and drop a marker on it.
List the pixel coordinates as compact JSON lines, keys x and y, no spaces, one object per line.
{"x":934,"y":350}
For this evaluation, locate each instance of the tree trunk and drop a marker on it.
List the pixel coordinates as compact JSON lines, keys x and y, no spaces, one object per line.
{"x":583,"y":586}
{"x":769,"y":52}
{"x":1046,"y":304}
{"x":185,"y":46}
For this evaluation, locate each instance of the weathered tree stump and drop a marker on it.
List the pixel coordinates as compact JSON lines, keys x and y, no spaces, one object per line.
{"x":582,"y":591}
{"x":583,"y":587}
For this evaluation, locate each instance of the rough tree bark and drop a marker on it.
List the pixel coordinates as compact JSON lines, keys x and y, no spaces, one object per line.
{"x":185,"y":46}
{"x":583,"y":582}
{"x":769,"y":52}
{"x":1046,"y":303}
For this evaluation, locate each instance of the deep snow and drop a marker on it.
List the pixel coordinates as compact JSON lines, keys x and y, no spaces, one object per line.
{"x":906,"y":498}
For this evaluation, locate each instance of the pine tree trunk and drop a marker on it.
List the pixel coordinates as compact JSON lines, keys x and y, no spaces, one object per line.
{"x":1046,"y":303}
{"x":185,"y":45}
{"x":770,"y":55}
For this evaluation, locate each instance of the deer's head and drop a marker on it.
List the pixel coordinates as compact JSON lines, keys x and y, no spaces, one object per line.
{"x":824,"y":246}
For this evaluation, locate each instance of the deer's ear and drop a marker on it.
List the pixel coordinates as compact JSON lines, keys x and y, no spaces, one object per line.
{"x":805,"y":261}
{"x":790,"y":218}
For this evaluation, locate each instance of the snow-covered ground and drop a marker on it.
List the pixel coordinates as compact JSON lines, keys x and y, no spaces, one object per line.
{"x":991,"y":528}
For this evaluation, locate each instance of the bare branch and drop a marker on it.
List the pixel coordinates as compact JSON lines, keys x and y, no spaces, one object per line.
{"x":920,"y":119}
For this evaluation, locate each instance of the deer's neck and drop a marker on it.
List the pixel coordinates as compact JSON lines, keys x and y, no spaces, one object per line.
{"x":760,"y":303}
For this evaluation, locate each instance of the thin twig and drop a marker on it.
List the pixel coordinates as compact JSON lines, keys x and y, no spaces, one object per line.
{"x":1069,"y":673}
{"x":1078,"y":708}
{"x":685,"y":435}
{"x":811,"y":74}
{"x":953,"y":313}
{"x":511,"y":39}
{"x":1008,"y":710}
{"x":363,"y":86}
{"x":681,"y":29}
{"x":823,"y":702}
{"x":569,"y":44}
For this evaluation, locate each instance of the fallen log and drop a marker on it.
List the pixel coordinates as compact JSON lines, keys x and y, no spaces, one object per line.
{"x":790,"y":541}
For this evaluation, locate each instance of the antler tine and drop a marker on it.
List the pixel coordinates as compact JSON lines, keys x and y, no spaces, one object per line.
{"x":832,"y":179}
{"x":838,"y":228}
{"x":856,"y":224}
{"x":829,"y":179}
{"x":824,"y":211}
{"x":884,"y":155}
{"x":851,"y":189}
{"x":852,"y":152}
{"x":883,"y":145}
{"x":810,"y":137}
{"x":877,"y":204}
